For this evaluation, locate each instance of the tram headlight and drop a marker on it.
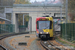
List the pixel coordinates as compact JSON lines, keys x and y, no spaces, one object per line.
{"x":40,"y":32}
{"x":47,"y":32}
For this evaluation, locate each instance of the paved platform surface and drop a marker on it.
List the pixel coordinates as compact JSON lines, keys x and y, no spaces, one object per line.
{"x":12,"y":43}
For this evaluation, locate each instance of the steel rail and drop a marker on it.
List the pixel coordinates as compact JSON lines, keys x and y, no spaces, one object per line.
{"x":49,"y":48}
{"x":2,"y":47}
{"x":8,"y":35}
{"x":54,"y":46}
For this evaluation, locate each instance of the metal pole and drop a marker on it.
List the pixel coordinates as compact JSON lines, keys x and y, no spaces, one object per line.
{"x":23,"y":19}
{"x":66,"y":11}
{"x":61,"y":14}
{"x":66,"y":18}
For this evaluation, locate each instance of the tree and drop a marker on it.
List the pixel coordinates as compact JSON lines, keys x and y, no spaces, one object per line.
{"x":71,"y":9}
{"x":20,"y":19}
{"x":22,"y":2}
{"x":71,"y":5}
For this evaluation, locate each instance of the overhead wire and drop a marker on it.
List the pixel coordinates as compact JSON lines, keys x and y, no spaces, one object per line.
{"x":44,"y":7}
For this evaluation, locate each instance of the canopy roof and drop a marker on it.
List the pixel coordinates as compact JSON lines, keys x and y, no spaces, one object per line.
{"x":37,"y":5}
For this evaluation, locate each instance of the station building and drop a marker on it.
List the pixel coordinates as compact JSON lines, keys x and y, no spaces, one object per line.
{"x":35,"y":11}
{"x":10,"y":17}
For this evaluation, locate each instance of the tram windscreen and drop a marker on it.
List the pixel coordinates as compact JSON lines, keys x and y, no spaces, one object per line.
{"x":44,"y":24}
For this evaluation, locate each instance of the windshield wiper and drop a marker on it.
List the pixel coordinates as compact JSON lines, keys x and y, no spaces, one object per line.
{"x":46,"y":27}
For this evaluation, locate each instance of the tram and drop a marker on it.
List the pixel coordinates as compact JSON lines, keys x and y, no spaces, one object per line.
{"x":44,"y":27}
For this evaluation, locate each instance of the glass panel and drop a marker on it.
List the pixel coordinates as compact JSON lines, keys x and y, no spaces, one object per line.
{"x":44,"y":24}
{"x":8,"y":16}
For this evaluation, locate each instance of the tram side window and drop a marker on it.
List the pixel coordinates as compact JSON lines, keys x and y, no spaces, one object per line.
{"x":37,"y":25}
{"x":50,"y":24}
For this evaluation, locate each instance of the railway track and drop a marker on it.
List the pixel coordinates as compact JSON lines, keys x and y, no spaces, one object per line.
{"x":49,"y":45}
{"x":2,"y":48}
{"x":8,"y":35}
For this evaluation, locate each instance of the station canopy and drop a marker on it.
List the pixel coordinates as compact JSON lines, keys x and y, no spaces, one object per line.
{"x":37,"y":5}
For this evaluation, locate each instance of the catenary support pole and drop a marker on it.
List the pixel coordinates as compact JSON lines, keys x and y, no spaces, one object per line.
{"x":66,"y":11}
{"x":61,"y":14}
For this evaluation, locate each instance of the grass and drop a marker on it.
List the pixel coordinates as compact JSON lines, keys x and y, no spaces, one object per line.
{"x":65,"y":42}
{"x":73,"y":41}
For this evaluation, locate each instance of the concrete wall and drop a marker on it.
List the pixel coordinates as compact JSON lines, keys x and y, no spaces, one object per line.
{"x":33,"y":13}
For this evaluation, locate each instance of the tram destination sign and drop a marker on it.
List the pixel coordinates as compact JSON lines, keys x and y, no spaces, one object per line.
{"x":44,"y":19}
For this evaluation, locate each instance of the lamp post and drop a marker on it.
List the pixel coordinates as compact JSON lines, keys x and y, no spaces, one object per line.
{"x":66,"y":11}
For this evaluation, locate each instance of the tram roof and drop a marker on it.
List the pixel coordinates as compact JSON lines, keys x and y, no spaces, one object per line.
{"x":37,"y":5}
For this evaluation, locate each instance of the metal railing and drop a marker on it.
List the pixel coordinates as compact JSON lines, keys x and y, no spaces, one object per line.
{"x":7,"y":28}
{"x":68,"y":31}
